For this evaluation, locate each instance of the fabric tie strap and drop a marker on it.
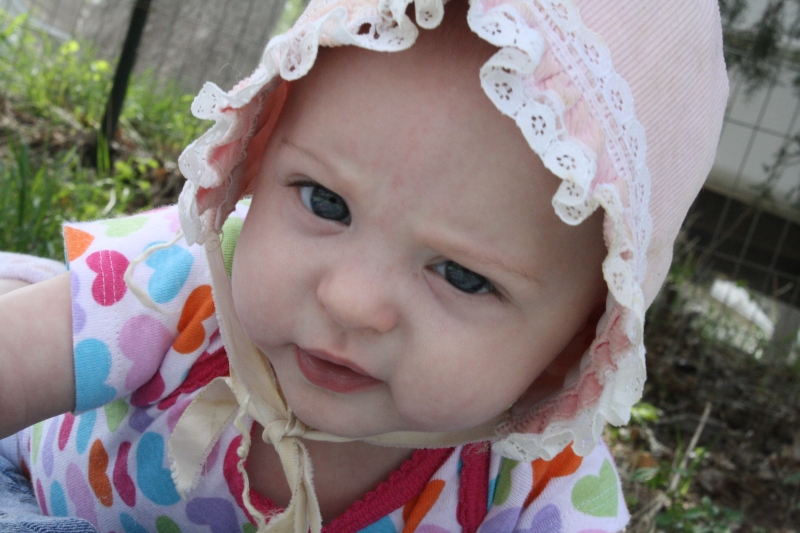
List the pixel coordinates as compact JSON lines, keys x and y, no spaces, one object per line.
{"x":252,"y":390}
{"x":202,"y":424}
{"x":224,"y":399}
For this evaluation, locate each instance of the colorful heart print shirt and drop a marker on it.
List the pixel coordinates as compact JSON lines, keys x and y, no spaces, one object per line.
{"x":137,"y":368}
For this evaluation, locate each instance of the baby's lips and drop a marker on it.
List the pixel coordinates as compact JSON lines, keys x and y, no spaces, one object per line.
{"x":332,"y":373}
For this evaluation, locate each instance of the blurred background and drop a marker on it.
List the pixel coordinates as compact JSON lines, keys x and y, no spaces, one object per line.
{"x":94,"y":98}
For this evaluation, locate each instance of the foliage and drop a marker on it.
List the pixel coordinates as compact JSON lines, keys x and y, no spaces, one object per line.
{"x":755,"y":51}
{"x":39,"y":196}
{"x":673,"y":507}
{"x":41,"y":76}
{"x":292,"y":9}
{"x":703,"y":518}
{"x":53,"y":96}
{"x":159,"y":114}
{"x":731,"y":11}
{"x":787,"y":156}
{"x":683,"y":516}
{"x":59,"y":82}
{"x":758,"y":53}
{"x":643,"y":412}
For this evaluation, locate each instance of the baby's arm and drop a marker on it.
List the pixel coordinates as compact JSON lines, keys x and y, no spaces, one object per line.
{"x":8,"y":285}
{"x":36,"y":364}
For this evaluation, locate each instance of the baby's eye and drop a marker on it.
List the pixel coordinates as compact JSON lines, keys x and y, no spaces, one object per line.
{"x":463,"y":279}
{"x":324,"y":203}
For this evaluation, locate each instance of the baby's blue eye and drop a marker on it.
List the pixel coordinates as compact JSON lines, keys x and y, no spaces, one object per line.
{"x":324,"y":203}
{"x":462,"y":278}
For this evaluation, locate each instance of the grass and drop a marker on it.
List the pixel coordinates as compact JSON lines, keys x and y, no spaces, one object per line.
{"x":41,"y":76}
{"x":47,"y":79}
{"x":39,"y":196}
{"x":659,"y":490}
{"x":52,"y":97}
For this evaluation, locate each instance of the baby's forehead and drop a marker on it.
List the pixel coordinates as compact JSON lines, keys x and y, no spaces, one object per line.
{"x":443,"y":56}
{"x":390,"y":110}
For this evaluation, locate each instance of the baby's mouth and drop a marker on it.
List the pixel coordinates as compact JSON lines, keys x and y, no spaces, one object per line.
{"x":321,"y":370}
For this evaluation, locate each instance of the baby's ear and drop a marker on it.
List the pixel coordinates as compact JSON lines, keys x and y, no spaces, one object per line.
{"x":551,"y":380}
{"x":267,"y":119}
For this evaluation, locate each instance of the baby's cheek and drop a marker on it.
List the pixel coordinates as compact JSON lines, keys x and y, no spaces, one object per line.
{"x":446,"y":402}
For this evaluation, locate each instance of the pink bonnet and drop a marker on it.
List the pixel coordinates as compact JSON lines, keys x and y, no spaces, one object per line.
{"x":621,"y":100}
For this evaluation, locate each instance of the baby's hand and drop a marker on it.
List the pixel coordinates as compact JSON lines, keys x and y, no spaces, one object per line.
{"x":36,"y":367}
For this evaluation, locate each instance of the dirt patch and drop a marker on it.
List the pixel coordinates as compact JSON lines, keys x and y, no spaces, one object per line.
{"x":744,"y":473}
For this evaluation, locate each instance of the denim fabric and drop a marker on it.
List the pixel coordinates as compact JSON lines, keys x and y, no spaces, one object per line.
{"x":19,"y":512}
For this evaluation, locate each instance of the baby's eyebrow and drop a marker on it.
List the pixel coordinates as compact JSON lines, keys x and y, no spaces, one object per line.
{"x":306,"y":153}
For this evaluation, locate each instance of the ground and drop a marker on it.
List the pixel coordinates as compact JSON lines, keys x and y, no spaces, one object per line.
{"x":744,"y":472}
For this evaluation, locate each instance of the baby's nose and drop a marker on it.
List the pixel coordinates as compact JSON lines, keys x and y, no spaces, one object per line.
{"x":359,"y":297}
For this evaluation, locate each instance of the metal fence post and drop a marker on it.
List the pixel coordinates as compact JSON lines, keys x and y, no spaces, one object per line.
{"x":124,"y":68}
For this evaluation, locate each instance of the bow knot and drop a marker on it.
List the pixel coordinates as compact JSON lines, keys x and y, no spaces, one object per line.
{"x":281,"y":428}
{"x":251,"y":391}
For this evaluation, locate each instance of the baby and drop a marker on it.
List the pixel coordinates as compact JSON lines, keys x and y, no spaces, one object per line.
{"x":435,"y":298}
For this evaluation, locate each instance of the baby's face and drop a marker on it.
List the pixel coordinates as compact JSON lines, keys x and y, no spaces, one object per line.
{"x":401,"y":266}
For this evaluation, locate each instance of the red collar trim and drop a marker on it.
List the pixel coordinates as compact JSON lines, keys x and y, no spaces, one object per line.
{"x":402,"y":486}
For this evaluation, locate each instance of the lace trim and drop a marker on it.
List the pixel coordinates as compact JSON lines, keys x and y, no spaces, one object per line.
{"x":509,"y":81}
{"x":612,"y":373}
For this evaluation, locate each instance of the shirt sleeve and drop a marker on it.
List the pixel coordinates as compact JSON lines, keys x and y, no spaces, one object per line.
{"x":136,"y":339}
{"x":28,"y":268}
{"x":569,"y":494}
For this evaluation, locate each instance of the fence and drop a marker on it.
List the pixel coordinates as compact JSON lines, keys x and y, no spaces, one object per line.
{"x":187,"y":41}
{"x":745,"y":224}
{"x":744,"y":227}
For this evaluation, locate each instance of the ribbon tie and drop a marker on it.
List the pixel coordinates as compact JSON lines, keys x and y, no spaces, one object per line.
{"x":252,"y":391}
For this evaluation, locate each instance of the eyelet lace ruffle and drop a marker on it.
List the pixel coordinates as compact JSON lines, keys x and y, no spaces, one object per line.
{"x":612,"y":373}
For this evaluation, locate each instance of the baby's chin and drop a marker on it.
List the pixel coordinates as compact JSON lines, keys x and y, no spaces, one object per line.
{"x":352,"y":426}
{"x":342,"y":421}
{"x":343,"y":427}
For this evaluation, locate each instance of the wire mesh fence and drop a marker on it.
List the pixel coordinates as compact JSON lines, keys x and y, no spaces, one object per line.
{"x":186,"y":41}
{"x":742,"y":235}
{"x":737,"y":271}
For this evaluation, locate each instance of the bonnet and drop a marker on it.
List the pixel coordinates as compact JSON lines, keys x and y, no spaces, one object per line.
{"x":584,"y":80}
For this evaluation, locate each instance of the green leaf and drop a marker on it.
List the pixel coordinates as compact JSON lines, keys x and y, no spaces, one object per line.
{"x":644,"y":412}
{"x":642,"y":475}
